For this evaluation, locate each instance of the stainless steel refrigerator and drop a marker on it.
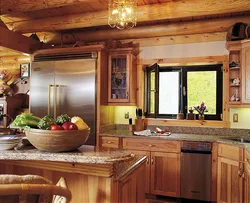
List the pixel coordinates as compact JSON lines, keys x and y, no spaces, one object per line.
{"x":62,"y":84}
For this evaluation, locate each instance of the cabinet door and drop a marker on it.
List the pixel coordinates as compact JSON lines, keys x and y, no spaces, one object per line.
{"x":165,"y":174}
{"x":130,"y":188}
{"x":118,"y":80}
{"x":247,"y":183}
{"x":246,"y":74}
{"x":230,"y":181}
{"x":147,"y":176}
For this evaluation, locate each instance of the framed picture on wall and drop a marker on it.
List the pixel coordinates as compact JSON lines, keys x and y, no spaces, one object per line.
{"x":25,"y":70}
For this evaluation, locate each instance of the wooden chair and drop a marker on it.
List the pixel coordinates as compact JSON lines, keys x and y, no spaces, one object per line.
{"x":32,"y":189}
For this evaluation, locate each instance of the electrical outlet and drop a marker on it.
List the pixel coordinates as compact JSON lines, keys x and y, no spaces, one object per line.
{"x":235,"y":117}
{"x":126,"y":115}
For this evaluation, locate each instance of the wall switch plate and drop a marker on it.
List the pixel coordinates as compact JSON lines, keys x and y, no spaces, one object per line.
{"x":235,"y":117}
{"x":126,"y":115}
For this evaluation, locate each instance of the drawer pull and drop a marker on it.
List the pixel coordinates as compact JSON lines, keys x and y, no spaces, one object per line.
{"x":150,"y":145}
{"x":110,"y":142}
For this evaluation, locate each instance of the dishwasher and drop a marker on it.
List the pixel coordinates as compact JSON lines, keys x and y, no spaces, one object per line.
{"x":196,"y":170}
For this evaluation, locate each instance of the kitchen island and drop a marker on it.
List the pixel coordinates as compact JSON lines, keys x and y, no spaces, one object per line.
{"x":92,"y":174}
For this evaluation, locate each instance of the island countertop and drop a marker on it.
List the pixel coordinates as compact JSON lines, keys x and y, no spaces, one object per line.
{"x":84,"y":154}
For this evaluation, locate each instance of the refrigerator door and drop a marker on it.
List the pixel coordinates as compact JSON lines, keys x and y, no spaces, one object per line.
{"x":42,"y":88}
{"x":76,"y":91}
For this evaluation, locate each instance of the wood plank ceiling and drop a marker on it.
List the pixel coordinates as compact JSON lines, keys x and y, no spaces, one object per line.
{"x":49,"y":18}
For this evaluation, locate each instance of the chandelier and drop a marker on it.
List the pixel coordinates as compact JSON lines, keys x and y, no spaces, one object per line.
{"x":122,"y":14}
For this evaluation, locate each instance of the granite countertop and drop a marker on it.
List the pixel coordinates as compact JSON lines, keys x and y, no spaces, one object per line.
{"x":84,"y":154}
{"x":181,"y":137}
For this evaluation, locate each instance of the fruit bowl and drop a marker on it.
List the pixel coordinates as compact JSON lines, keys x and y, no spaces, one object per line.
{"x":57,"y":140}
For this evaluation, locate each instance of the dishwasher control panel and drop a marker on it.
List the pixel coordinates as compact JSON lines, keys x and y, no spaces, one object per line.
{"x":196,"y":146}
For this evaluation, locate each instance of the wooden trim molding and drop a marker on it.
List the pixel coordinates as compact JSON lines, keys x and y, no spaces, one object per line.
{"x":99,"y":170}
{"x":223,"y":59}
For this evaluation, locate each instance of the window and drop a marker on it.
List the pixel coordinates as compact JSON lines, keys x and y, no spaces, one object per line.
{"x":173,"y":90}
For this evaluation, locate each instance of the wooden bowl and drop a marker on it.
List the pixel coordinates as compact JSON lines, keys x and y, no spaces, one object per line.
{"x":57,"y":140}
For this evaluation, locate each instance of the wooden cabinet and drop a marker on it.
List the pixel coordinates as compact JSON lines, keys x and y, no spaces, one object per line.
{"x":122,"y":86}
{"x":110,"y":142}
{"x":165,"y":174}
{"x":239,"y":72}
{"x":247,"y":178}
{"x":163,"y":165}
{"x":230,"y":174}
{"x":246,"y":71}
{"x":235,"y":68}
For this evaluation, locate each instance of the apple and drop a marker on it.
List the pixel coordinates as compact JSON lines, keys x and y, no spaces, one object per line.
{"x":69,"y":126}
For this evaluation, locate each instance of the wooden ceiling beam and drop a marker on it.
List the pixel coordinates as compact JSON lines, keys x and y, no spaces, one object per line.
{"x":18,"y":42}
{"x":161,"y":11}
{"x":162,"y":30}
{"x":14,"y":6}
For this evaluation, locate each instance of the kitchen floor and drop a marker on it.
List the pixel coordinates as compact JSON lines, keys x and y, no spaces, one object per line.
{"x":160,"y":199}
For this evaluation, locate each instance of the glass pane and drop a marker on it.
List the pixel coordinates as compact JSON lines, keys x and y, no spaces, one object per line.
{"x":152,"y":93}
{"x":169,"y":92}
{"x":118,"y":77}
{"x":202,"y":87}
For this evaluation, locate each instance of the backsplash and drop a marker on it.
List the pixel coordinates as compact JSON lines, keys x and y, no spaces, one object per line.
{"x":187,"y":130}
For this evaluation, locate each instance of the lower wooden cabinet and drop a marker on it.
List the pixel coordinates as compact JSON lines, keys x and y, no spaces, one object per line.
{"x":230,"y":174}
{"x":230,"y":181}
{"x":165,"y":174}
{"x":162,"y":168}
{"x":247,"y":183}
{"x":247,"y":178}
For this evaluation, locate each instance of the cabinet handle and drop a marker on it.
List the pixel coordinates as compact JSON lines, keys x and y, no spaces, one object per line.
{"x":109,"y":142}
{"x":147,"y":160}
{"x":243,"y":175}
{"x":150,"y":145}
{"x":152,"y":161}
{"x":239,"y":173}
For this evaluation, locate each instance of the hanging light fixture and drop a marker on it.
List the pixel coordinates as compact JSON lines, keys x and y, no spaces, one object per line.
{"x":122,"y":13}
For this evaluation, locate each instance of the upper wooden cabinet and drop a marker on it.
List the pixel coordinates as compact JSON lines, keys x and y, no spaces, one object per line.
{"x":122,"y":86}
{"x":239,"y":72}
{"x":246,"y":72}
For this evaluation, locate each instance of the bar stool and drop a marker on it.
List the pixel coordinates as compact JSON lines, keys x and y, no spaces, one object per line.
{"x":32,"y":189}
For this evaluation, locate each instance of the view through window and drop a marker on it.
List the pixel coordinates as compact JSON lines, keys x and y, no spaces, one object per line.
{"x":173,"y":90}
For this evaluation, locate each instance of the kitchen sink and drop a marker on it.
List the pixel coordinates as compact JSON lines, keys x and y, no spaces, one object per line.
{"x":239,"y":139}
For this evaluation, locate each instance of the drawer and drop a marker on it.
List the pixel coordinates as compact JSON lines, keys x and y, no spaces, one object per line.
{"x":229,"y":151}
{"x":110,"y":142}
{"x":247,"y":156}
{"x":151,"y":145}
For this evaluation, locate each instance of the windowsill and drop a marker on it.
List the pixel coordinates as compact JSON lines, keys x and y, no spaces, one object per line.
{"x":189,"y":123}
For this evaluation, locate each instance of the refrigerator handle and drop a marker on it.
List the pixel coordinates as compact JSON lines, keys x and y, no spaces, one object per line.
{"x":57,"y":87}
{"x":49,"y":95}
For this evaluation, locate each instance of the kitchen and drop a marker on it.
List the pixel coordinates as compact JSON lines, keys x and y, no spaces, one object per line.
{"x":175,"y":35}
